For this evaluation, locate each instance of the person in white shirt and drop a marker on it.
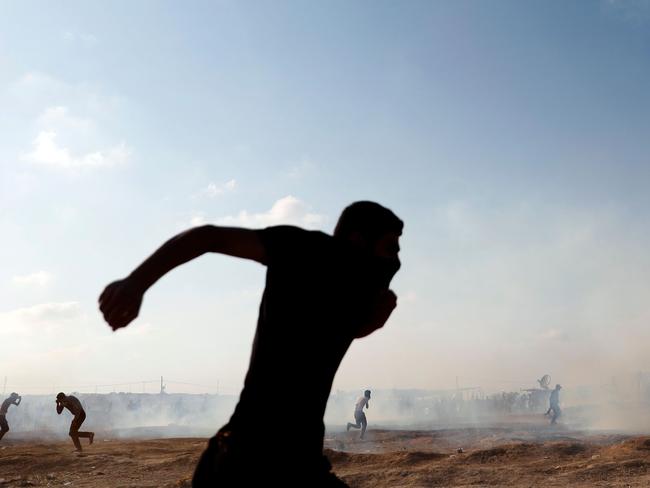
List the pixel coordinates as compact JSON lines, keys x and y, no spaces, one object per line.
{"x":359,"y":415}
{"x":555,"y":405}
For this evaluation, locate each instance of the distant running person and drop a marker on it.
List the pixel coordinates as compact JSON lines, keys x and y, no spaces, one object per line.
{"x":322,"y":291}
{"x":554,"y":402}
{"x":73,"y":404}
{"x":359,"y":415}
{"x":14,"y":399}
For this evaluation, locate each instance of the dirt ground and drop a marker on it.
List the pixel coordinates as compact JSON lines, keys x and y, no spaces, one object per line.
{"x":517,"y":456}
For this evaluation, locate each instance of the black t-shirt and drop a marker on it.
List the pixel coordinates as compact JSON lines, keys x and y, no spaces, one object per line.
{"x":5,"y":405}
{"x":318,"y":292}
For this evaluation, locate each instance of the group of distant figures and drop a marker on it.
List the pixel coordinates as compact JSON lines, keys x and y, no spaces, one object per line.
{"x":73,"y":404}
{"x":69,"y":402}
{"x":360,"y":421}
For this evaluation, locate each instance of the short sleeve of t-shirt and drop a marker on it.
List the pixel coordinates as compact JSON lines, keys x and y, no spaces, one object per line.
{"x":285,"y":241}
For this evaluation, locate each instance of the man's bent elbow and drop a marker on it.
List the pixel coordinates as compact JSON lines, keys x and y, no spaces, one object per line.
{"x":233,"y":241}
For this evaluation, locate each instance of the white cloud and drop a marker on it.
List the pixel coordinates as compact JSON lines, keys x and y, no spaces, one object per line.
{"x":35,"y":90}
{"x":48,"y":311}
{"x":287,"y":210}
{"x":215,"y":190}
{"x":38,"y":279}
{"x":38,"y":318}
{"x":47,"y":152}
{"x":67,"y":133}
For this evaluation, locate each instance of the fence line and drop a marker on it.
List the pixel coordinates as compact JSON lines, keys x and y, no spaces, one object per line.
{"x":140,"y":386}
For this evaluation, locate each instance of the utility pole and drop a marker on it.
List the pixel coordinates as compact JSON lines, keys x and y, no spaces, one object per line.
{"x":162,"y":386}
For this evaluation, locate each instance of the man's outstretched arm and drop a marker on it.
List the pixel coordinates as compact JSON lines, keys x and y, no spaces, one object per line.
{"x":120,"y":302}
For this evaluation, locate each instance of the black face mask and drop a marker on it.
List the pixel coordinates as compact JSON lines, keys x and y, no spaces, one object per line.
{"x":384,"y":269}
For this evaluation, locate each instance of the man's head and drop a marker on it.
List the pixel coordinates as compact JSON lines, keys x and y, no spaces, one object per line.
{"x":374,"y":229}
{"x":60,"y":397}
{"x":558,"y":387}
{"x":371,"y":226}
{"x":366,"y":394}
{"x":13,"y":395}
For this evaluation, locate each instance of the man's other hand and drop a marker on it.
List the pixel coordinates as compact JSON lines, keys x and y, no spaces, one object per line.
{"x":384,"y":305}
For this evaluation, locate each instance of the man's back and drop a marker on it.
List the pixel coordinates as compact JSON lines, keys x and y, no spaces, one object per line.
{"x":361,"y":403}
{"x":73,"y":404}
{"x":5,"y":405}
{"x":317,"y":290}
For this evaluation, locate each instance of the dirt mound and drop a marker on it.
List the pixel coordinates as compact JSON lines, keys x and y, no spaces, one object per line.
{"x":405,"y":459}
{"x":488,"y":455}
{"x":571,"y":449}
{"x":643,"y":444}
{"x":386,"y":459}
{"x":494,"y":457}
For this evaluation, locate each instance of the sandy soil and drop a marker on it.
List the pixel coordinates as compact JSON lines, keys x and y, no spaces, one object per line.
{"x":499,"y":456}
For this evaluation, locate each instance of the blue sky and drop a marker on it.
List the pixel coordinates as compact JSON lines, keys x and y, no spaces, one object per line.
{"x":512,"y":138}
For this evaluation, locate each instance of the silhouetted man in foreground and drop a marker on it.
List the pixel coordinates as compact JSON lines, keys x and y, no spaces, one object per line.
{"x":14,"y":399}
{"x":73,"y":404}
{"x":359,"y":415}
{"x":554,"y":402}
{"x":321,"y":293}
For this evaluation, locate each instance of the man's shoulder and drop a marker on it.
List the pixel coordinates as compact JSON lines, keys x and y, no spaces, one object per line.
{"x":289,"y":239}
{"x":297,"y":232}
